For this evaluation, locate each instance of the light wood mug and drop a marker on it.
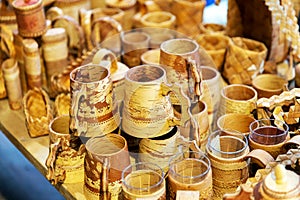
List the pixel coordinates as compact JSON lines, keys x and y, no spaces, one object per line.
{"x":230,"y":155}
{"x":147,"y":110}
{"x":180,"y":58}
{"x":106,"y":157}
{"x":93,"y":108}
{"x":143,"y":181}
{"x":190,"y":171}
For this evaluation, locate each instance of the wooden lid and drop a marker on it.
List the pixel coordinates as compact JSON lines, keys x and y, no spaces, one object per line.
{"x":54,"y":35}
{"x":26,"y":4}
{"x":281,"y":183}
{"x":30,"y":46}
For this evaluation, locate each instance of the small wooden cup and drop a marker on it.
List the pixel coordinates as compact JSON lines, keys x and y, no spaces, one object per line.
{"x":268,"y":85}
{"x":235,"y":121}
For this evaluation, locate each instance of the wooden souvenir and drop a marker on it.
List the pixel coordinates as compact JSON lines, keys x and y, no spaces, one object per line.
{"x":271,"y":22}
{"x":31,"y":18}
{"x":55,"y":53}
{"x":32,"y":63}
{"x":12,"y":82}
{"x":62,"y":104}
{"x":38,"y":112}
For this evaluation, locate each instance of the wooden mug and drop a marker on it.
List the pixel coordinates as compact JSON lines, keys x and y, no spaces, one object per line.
{"x":229,"y":154}
{"x":190,"y":171}
{"x":93,"y":108}
{"x":180,"y":58}
{"x":64,"y":162}
{"x":143,"y":181}
{"x":106,"y":157}
{"x":147,"y":110}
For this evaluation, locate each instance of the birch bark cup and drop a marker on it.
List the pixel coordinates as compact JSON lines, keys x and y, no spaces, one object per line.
{"x":230,"y":155}
{"x":190,"y":171}
{"x":106,"y":158}
{"x":128,"y":6}
{"x":31,"y":18}
{"x":160,"y":149}
{"x":147,"y":110}
{"x":32,"y":62}
{"x":117,"y":70}
{"x":64,"y":163}
{"x":237,"y":98}
{"x":13,"y":83}
{"x":143,"y":181}
{"x":181,"y":59}
{"x":93,"y":109}
{"x":55,"y":53}
{"x":134,"y":44}
{"x":212,"y":85}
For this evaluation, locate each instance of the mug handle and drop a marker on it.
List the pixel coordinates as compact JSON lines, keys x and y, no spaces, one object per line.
{"x":261,"y":157}
{"x":103,"y":54}
{"x":104,"y":175}
{"x":53,"y":151}
{"x":292,"y":143}
{"x":184,"y":102}
{"x":197,"y":76}
{"x":192,"y":144}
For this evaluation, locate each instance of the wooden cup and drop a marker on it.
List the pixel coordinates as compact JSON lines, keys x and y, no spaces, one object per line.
{"x":93,"y":110}
{"x":134,"y":44}
{"x":64,"y":163}
{"x":229,"y":153}
{"x":237,"y":98}
{"x":190,"y":171}
{"x":107,"y":156}
{"x":143,"y":181}
{"x":269,"y":135}
{"x":235,"y":121}
{"x":268,"y":85}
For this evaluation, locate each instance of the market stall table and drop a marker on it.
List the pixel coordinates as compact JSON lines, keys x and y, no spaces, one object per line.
{"x":12,"y":124}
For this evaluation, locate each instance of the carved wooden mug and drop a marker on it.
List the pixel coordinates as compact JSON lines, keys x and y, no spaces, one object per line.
{"x":93,"y":109}
{"x":180,"y":58}
{"x":64,"y":162}
{"x":190,"y":171}
{"x":147,"y":110}
{"x":107,"y":156}
{"x":229,"y":154}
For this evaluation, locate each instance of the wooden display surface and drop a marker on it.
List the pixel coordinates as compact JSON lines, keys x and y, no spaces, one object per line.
{"x":12,"y":124}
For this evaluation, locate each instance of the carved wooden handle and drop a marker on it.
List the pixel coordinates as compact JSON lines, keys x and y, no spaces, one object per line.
{"x":184,"y":102}
{"x":102,"y":55}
